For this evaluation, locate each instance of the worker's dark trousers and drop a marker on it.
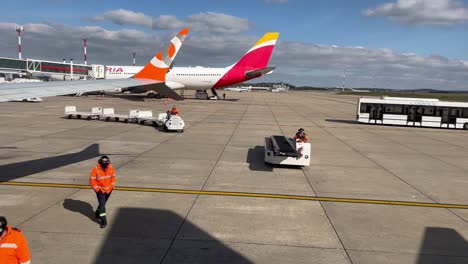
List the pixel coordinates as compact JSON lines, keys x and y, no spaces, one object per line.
{"x":101,"y":210}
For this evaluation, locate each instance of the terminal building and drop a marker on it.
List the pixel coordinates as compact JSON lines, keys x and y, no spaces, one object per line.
{"x":11,"y":68}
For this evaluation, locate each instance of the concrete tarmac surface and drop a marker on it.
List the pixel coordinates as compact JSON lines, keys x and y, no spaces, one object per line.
{"x":221,"y":151}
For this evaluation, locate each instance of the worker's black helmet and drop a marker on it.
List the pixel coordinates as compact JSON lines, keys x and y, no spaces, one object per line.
{"x":301,"y":129}
{"x":3,"y":224}
{"x":104,"y":160}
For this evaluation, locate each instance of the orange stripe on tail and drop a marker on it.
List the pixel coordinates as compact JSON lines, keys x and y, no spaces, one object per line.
{"x":157,"y":68}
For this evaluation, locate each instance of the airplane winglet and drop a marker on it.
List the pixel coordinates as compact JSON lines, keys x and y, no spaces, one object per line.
{"x":157,"y":68}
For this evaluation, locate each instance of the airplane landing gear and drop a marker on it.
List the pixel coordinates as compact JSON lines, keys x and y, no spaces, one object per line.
{"x":213,"y":90}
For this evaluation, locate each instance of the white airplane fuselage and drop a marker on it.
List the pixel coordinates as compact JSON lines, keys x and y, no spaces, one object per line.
{"x":190,"y":78}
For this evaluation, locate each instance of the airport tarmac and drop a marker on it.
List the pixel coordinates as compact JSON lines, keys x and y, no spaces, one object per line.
{"x":181,"y":211}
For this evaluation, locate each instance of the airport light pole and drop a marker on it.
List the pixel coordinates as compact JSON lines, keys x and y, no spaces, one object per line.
{"x":344,"y":78}
{"x":19,"y":29}
{"x":71,"y":69}
{"x":85,"y":39}
{"x":134,"y":54}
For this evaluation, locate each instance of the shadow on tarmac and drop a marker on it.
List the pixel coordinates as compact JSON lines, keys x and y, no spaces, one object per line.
{"x":129,"y":97}
{"x":18,"y":170}
{"x":342,"y":121}
{"x":140,"y":235}
{"x":256,"y":159}
{"x":442,"y":246}
{"x":81,"y":207}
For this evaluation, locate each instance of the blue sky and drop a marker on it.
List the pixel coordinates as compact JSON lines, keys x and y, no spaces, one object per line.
{"x":397,"y":27}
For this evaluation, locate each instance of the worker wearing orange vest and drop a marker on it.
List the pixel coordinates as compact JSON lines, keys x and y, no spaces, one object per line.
{"x":13,"y":246}
{"x":174,"y":111}
{"x":301,"y":136}
{"x":102,"y":179}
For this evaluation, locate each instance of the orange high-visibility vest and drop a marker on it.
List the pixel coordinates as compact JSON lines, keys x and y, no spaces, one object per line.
{"x":13,"y":248}
{"x":175,"y":111}
{"x":102,"y":180}
{"x":304,"y":139}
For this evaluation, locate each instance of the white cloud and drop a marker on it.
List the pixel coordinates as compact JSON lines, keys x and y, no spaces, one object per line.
{"x":436,"y":12}
{"x":125,"y":17}
{"x":217,"y":22}
{"x":393,"y":69}
{"x":205,"y":22}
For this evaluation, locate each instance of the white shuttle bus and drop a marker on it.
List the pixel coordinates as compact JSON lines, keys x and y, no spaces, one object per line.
{"x":412,"y":112}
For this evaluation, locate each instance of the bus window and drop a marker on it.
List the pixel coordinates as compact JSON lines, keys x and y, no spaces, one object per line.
{"x":364,"y":108}
{"x":453,"y":112}
{"x":465,"y":113}
{"x":393,"y":109}
{"x":429,"y":111}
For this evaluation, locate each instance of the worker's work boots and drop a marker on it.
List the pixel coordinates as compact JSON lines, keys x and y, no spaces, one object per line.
{"x":103,"y":221}
{"x":96,"y":214}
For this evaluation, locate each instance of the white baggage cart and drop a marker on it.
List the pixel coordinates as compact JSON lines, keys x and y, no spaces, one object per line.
{"x":109,"y":114}
{"x":70,"y":112}
{"x":146,"y":116}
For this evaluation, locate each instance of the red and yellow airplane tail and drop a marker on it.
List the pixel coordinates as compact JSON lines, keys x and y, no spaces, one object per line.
{"x":259,"y":55}
{"x":157,"y":68}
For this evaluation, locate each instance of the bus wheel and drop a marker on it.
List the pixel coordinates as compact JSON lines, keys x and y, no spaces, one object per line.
{"x":465,"y":126}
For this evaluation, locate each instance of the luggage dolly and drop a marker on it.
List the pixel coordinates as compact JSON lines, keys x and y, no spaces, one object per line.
{"x":70,"y":112}
{"x":109,"y":114}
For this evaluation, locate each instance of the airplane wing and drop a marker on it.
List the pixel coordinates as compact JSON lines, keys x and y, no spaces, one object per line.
{"x":151,"y":77}
{"x":19,"y":91}
{"x":257,"y":73}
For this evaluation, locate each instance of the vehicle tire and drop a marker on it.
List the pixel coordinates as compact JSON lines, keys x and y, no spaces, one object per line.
{"x":125,"y":121}
{"x":116,"y":119}
{"x":155,"y":124}
{"x":88,"y":118}
{"x":157,"y":96}
{"x":465,"y":126}
{"x":165,"y":128}
{"x":107,"y":119}
{"x":181,"y":131}
{"x":142,"y":122}
{"x":69,"y":116}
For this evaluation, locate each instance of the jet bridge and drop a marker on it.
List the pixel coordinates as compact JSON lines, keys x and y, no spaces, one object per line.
{"x":33,"y":66}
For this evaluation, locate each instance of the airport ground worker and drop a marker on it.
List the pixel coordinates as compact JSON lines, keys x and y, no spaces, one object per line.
{"x":174,"y":110}
{"x":301,"y":136}
{"x":102,"y":179}
{"x":13,"y":245}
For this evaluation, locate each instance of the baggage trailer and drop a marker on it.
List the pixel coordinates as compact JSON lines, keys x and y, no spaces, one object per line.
{"x":284,"y":151}
{"x":146,"y":116}
{"x":70,"y":112}
{"x":109,"y":114}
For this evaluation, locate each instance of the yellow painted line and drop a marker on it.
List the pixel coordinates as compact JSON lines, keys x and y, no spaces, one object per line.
{"x":247,"y":194}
